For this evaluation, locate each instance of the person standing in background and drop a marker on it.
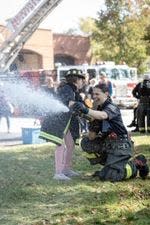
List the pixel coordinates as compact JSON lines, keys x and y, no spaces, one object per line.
{"x":6,"y":108}
{"x":142,"y":92}
{"x":104,"y":82}
{"x":134,"y":122}
{"x":49,"y":86}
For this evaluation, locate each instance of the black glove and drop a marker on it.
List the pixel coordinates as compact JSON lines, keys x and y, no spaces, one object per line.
{"x":80,"y":107}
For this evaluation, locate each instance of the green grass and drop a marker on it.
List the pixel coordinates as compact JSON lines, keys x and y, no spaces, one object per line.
{"x":29,"y":195}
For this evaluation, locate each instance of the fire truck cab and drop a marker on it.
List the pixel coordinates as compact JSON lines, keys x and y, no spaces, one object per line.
{"x":122,"y":77}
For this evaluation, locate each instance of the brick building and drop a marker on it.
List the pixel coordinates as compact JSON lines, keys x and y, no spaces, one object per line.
{"x":71,"y":50}
{"x":44,"y":49}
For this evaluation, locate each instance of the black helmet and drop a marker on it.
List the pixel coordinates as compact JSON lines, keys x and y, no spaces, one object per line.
{"x":75,"y":73}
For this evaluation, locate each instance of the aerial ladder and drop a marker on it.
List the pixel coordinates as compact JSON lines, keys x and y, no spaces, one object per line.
{"x":22,"y":26}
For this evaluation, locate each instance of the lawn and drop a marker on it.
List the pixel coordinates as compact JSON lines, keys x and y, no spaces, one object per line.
{"x":29,"y":195}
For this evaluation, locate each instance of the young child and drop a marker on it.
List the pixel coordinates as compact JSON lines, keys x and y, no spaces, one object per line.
{"x":63,"y":129}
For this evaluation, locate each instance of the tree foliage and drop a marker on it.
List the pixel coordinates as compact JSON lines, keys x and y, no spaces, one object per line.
{"x":87,"y":25}
{"x":121,"y":32}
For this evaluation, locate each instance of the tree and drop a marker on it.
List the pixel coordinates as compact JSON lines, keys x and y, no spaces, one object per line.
{"x":87,"y":26}
{"x":121,"y":28}
{"x":71,"y":31}
{"x":147,"y":39}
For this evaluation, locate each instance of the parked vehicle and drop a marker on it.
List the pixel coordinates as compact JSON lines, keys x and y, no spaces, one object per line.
{"x":123,"y":78}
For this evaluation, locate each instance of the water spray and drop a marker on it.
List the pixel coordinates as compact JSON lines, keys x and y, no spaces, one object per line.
{"x":31,"y":101}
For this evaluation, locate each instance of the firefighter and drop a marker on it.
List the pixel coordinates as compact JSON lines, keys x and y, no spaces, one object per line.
{"x":134,"y":122}
{"x":142,"y":92}
{"x":63,"y":128}
{"x":108,"y":142}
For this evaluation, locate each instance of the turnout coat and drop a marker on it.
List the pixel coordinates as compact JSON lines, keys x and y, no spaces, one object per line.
{"x":55,"y":126}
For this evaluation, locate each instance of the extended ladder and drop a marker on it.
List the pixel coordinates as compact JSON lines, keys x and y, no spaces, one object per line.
{"x":23,"y":25}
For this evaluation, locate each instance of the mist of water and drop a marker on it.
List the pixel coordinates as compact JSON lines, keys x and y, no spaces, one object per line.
{"x":31,"y":101}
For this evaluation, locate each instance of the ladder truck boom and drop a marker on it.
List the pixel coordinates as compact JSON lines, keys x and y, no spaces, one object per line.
{"x":23,"y":26}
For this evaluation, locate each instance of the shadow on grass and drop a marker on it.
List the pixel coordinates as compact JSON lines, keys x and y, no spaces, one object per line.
{"x":140,"y":217}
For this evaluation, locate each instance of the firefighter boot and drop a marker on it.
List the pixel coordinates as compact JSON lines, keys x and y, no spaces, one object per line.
{"x":141,"y":164}
{"x":135,"y":130}
{"x":132,"y":124}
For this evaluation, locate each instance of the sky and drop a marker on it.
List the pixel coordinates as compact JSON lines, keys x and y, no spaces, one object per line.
{"x":65,"y":16}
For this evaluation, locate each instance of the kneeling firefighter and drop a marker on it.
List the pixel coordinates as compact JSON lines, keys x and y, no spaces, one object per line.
{"x":108,"y":143}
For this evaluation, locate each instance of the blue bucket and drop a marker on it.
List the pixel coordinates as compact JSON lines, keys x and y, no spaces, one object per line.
{"x":30,"y":135}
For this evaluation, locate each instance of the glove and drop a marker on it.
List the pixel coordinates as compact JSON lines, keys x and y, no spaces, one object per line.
{"x":80,"y":108}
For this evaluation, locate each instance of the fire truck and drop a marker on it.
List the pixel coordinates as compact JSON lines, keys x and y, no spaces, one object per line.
{"x":122,"y":77}
{"x":22,"y":26}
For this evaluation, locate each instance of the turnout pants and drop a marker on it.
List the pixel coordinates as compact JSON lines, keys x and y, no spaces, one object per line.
{"x":113,"y":154}
{"x":143,"y":112}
